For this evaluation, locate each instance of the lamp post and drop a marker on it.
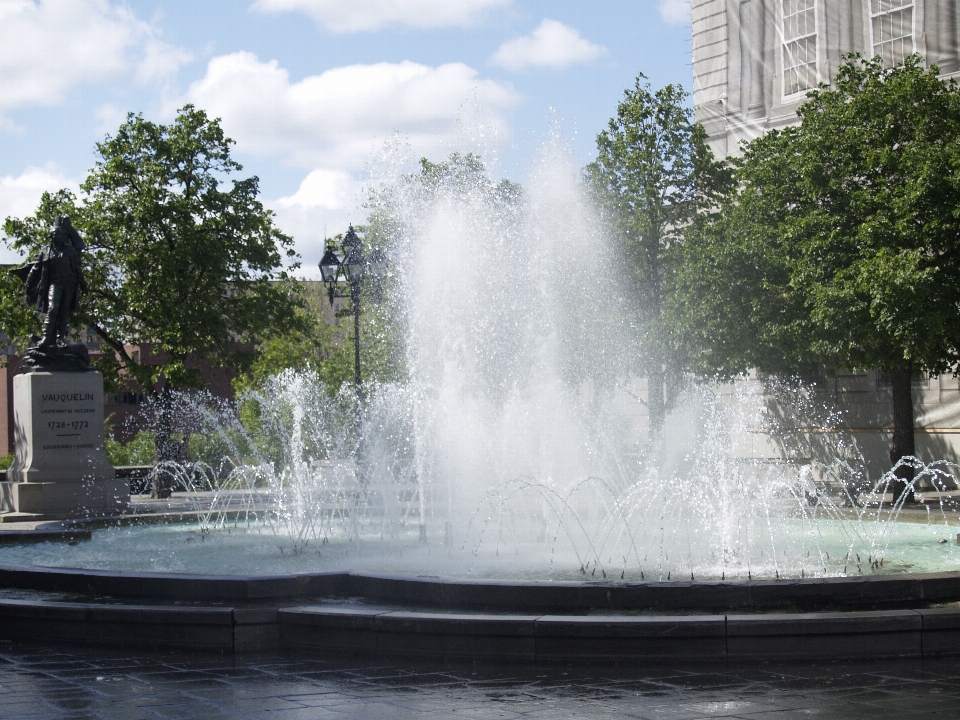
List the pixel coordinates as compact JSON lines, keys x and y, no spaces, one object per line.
{"x":353,"y":268}
{"x":351,"y":264}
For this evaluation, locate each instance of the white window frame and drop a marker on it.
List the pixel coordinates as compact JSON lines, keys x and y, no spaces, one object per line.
{"x":912,"y":4}
{"x":789,"y":97}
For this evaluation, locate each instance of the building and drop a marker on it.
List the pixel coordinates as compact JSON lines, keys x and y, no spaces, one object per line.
{"x":753,"y":63}
{"x":122,"y":408}
{"x":755,"y":60}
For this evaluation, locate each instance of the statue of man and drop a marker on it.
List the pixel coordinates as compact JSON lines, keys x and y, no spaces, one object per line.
{"x":55,"y":281}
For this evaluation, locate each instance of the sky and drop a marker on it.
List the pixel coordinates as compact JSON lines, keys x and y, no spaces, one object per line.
{"x":317,"y":93}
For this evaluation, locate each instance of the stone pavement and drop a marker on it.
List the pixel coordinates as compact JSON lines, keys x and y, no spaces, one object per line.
{"x":74,"y":683}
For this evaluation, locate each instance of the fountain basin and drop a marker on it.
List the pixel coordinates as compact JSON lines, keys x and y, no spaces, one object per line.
{"x":856,"y":593}
{"x":177,"y":543}
{"x":389,"y":615}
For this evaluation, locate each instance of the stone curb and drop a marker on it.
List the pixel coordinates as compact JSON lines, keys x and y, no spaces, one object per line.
{"x":491,"y":637}
{"x":870,"y":592}
{"x":18,"y":537}
{"x":558,"y":638}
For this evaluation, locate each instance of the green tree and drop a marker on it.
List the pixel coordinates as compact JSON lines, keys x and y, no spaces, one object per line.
{"x":138,"y":451}
{"x":841,"y":244}
{"x":315,"y":343}
{"x":394,"y":212}
{"x":323,"y":342}
{"x":466,"y":174}
{"x":322,"y":346}
{"x":654,"y":174}
{"x":180,"y":265}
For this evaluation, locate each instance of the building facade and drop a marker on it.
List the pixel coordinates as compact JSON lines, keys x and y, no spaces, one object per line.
{"x":755,"y":60}
{"x":122,"y":409}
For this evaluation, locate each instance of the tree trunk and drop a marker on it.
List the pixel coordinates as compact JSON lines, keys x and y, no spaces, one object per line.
{"x":674,"y":384}
{"x":902,"y":444}
{"x":162,"y":484}
{"x":656,"y":402}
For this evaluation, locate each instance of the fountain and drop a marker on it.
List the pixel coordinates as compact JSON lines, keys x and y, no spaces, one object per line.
{"x":515,"y":453}
{"x":517,"y":446}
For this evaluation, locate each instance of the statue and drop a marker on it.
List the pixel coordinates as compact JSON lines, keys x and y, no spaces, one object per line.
{"x":53,"y":283}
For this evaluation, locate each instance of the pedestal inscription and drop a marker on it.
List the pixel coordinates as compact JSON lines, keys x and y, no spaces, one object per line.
{"x":60,"y":465}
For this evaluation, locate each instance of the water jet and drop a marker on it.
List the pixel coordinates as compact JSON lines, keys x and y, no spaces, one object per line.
{"x":517,"y":442}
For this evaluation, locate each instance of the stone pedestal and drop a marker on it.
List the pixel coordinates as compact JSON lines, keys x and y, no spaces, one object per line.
{"x":60,"y":467}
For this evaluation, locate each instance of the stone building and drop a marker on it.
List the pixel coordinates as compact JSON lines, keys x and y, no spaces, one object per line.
{"x":122,"y":408}
{"x":755,"y":60}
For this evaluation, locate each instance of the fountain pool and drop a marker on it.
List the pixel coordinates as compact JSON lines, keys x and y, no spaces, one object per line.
{"x":255,"y":550}
{"x":516,"y":443}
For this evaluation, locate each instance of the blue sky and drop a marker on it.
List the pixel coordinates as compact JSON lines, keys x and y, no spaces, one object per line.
{"x":315,"y":91}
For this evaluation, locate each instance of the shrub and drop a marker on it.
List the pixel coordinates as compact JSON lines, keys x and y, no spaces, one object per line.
{"x":139,"y":451}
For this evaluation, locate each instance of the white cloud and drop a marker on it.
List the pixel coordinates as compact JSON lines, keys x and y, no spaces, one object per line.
{"x":675,"y":12}
{"x":109,"y":118}
{"x":19,"y":196}
{"x":357,"y":15}
{"x":327,"y":189}
{"x":324,"y":204}
{"x":346,"y":122}
{"x":49,"y":46}
{"x":337,"y":120}
{"x":551,"y":44}
{"x":160,"y":60}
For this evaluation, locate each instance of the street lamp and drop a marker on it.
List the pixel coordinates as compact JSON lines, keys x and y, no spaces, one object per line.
{"x":352,"y":267}
{"x":330,"y":270}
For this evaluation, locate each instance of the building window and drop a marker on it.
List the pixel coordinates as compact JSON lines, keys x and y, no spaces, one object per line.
{"x":92,"y":340}
{"x":124,"y":399}
{"x":891,"y":23}
{"x":799,"y":45}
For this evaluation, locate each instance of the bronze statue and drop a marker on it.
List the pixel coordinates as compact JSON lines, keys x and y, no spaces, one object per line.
{"x":56,"y":280}
{"x":53,"y":283}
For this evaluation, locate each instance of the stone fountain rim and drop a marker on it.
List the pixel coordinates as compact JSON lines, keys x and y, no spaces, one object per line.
{"x":846,"y":593}
{"x":419,"y":618}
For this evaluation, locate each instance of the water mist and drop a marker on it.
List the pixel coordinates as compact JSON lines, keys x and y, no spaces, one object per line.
{"x":517,"y":444}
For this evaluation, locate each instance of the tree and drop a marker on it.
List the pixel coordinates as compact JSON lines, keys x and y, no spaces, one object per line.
{"x":397,"y":214}
{"x":324,"y":344}
{"x":842,"y":238}
{"x":653,"y":175}
{"x":178,"y":265}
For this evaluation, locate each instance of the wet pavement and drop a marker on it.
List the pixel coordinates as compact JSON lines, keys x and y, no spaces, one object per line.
{"x":67,"y":683}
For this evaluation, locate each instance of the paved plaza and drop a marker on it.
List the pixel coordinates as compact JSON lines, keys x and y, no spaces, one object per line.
{"x":74,"y":683}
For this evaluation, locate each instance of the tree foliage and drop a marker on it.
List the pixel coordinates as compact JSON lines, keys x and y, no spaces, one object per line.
{"x":841,"y":245}
{"x":654,"y":175}
{"x":465,"y":173}
{"x":323,"y":343}
{"x":178,"y":262}
{"x":395,"y":220}
{"x":138,"y":451}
